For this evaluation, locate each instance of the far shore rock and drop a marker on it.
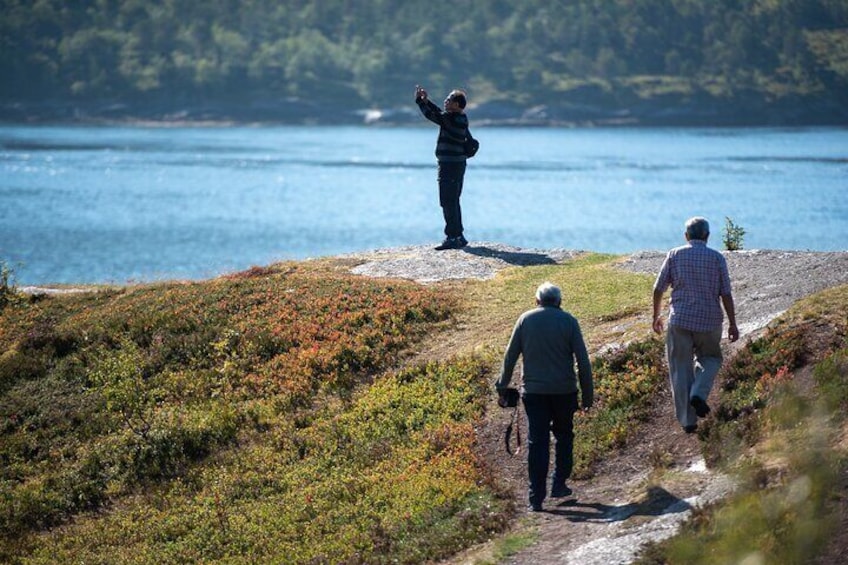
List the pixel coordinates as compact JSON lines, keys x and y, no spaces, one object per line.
{"x":589,"y":106}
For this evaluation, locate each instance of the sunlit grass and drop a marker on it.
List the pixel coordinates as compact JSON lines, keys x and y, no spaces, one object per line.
{"x":593,"y":290}
{"x":601,"y":297}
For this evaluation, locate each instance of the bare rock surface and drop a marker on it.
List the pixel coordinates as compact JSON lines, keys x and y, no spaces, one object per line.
{"x":765,"y":282}
{"x":482,"y":261}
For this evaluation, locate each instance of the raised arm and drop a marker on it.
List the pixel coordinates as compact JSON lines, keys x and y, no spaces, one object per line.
{"x":430,"y":110}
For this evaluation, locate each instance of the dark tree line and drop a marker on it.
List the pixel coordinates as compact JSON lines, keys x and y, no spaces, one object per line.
{"x":371,"y":53}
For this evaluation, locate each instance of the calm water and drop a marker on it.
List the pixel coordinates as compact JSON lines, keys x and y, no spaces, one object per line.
{"x":117,"y":204}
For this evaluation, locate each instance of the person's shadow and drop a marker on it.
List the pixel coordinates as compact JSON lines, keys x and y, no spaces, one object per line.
{"x":520,"y":258}
{"x":657,"y":503}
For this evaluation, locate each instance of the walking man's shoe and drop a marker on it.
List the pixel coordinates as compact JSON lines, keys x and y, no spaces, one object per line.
{"x":690,"y":429}
{"x":461,"y":242}
{"x":448,"y":243}
{"x":561,"y":491}
{"x":700,"y":406}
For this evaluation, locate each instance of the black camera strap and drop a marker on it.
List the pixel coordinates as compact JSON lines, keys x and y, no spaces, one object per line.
{"x":515,"y":423}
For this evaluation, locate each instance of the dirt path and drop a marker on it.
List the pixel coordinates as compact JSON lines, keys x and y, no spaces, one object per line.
{"x":646,"y":490}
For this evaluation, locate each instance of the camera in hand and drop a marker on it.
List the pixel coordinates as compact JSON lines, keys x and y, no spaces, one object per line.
{"x":508,"y":398}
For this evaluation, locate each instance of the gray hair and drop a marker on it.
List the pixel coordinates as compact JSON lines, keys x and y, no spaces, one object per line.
{"x":548,"y":294}
{"x":697,"y":228}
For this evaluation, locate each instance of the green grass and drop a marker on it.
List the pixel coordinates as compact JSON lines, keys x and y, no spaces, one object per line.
{"x":592,"y":290}
{"x":605,"y":301}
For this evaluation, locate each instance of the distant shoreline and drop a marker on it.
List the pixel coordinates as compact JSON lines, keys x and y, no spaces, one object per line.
{"x":559,"y":114}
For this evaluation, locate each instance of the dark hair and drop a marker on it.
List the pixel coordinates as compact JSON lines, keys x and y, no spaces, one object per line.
{"x":458,"y":96}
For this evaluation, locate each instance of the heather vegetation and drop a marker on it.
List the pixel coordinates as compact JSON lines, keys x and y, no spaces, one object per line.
{"x":266,"y":416}
{"x":297,"y":414}
{"x":368,"y":54}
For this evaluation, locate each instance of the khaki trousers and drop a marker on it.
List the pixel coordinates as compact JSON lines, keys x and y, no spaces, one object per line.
{"x":694,"y":359}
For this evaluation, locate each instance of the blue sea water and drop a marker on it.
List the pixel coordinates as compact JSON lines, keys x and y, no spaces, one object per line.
{"x":120,"y":204}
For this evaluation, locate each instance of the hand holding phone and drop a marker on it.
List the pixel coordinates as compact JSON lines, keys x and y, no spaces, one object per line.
{"x":420,"y":93}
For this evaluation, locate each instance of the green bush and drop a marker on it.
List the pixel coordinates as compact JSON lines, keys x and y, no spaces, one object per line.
{"x":734,"y":235}
{"x":8,"y":290}
{"x":108,"y":394}
{"x":832,"y":378}
{"x":780,"y":514}
{"x":389,"y":475}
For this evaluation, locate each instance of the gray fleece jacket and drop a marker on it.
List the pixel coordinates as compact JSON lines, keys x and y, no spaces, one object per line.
{"x":550,"y":342}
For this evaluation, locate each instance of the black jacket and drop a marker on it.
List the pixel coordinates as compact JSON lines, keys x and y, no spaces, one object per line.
{"x":453,"y":129}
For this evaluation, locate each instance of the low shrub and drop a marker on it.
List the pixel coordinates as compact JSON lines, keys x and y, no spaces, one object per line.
{"x":105,"y":393}
{"x":831,"y":376}
{"x":782,"y":511}
{"x":389,"y":475}
{"x":8,"y":289}
{"x":734,"y":235}
{"x":627,"y":381}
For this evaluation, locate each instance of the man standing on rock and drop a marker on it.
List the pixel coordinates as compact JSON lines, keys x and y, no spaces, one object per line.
{"x":699,"y":280}
{"x":450,"y":152}
{"x":550,"y":341}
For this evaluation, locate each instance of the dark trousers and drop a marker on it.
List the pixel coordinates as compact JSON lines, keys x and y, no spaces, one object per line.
{"x":450,"y":188}
{"x":548,"y":413}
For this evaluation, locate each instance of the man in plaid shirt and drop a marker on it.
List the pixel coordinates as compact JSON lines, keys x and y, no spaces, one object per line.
{"x":699,"y":280}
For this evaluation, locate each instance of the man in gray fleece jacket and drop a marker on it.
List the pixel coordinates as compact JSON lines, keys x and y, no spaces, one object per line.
{"x":550,"y":342}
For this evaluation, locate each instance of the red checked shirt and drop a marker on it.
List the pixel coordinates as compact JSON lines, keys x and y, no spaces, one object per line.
{"x":698,"y":278}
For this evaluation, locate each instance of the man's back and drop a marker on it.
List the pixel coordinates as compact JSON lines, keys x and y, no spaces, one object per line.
{"x":550,"y":341}
{"x":698,"y":277}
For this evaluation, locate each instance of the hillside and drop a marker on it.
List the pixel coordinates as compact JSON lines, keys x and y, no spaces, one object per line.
{"x":646,"y":489}
{"x":612,"y":62}
{"x":249,"y":417}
